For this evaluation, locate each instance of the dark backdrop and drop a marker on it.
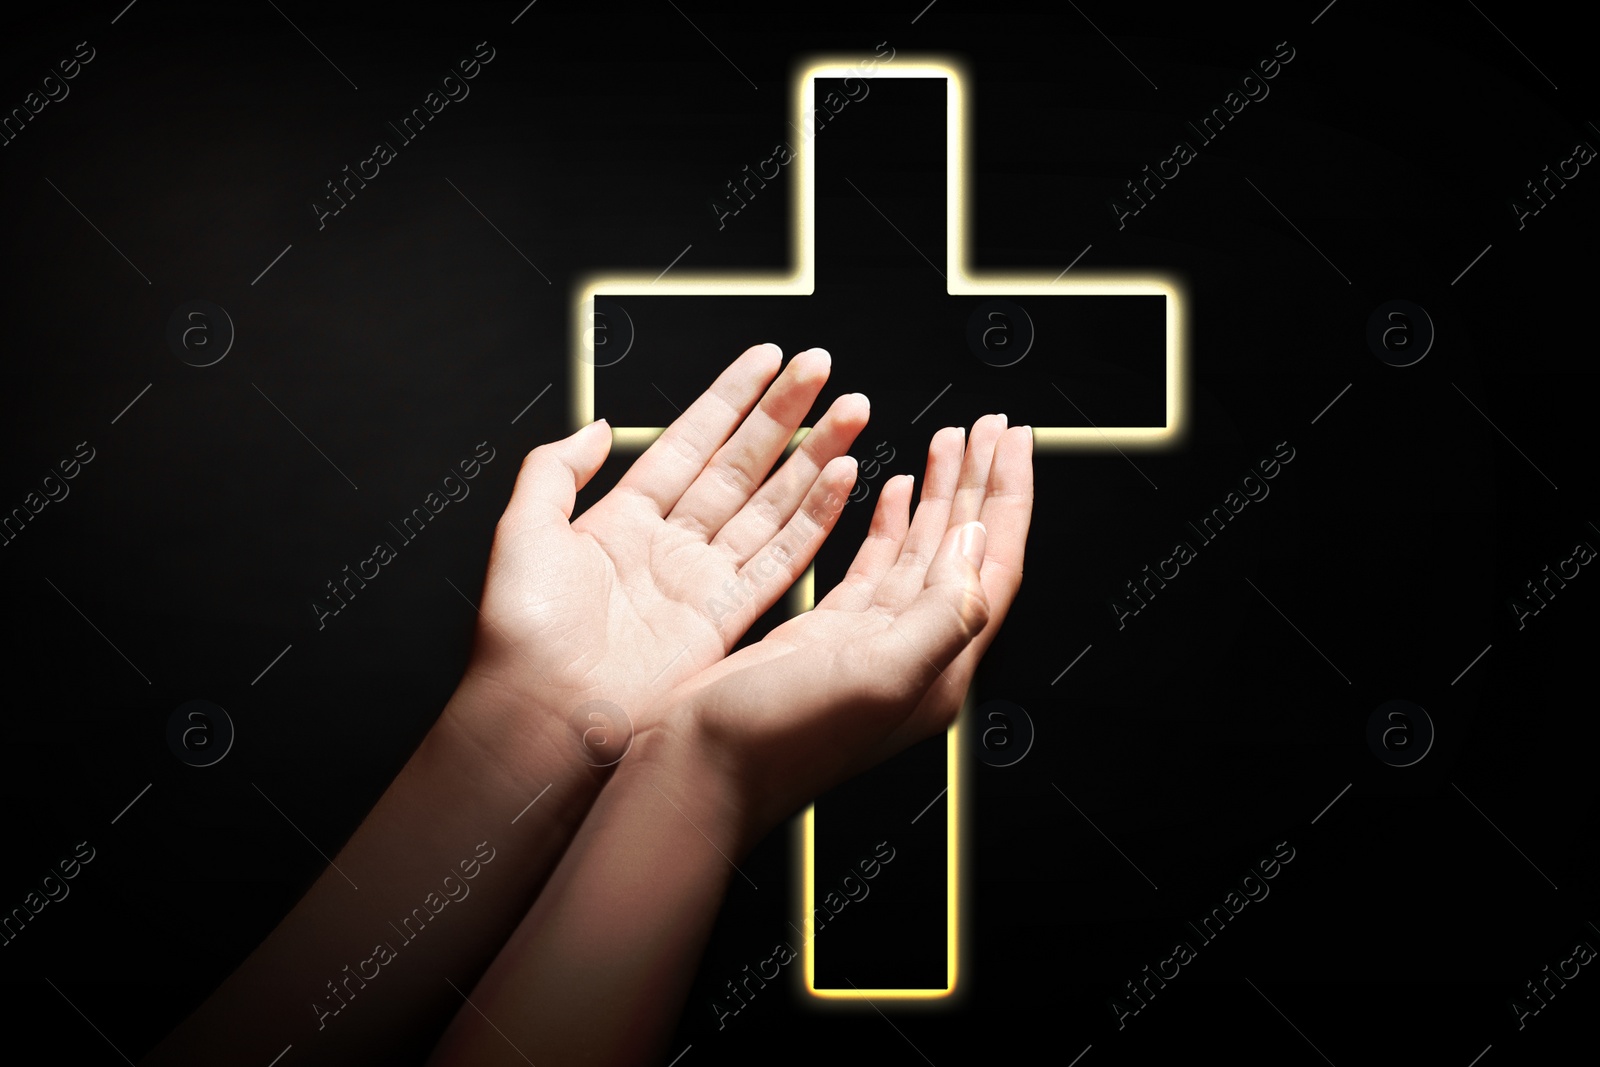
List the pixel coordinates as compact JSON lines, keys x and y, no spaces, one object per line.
{"x":1228,"y":716}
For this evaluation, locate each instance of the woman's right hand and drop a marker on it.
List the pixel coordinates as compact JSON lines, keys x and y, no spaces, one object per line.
{"x":886,"y":658}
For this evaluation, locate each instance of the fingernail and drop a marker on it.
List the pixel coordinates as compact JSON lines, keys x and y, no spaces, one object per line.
{"x":1003,"y":421}
{"x":971,"y":542}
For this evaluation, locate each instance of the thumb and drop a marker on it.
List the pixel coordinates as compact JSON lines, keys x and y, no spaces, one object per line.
{"x":551,"y":475}
{"x":948,"y":613}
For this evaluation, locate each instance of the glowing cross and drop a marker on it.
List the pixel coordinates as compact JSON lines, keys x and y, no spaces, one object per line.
{"x":1080,"y":325}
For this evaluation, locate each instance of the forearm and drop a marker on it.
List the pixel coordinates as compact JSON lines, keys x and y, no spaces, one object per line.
{"x":421,"y":896}
{"x":618,"y":931}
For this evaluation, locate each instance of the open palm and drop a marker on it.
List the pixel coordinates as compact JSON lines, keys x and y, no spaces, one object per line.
{"x":886,"y":658}
{"x":661,"y":577}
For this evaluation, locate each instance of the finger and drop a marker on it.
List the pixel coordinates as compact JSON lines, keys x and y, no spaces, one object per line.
{"x":877,"y":553}
{"x":739,"y":467}
{"x":928,"y":523}
{"x":968,"y":502}
{"x":766,"y":512}
{"x":785,"y":557}
{"x":1007,"y":512}
{"x":552,"y":474}
{"x":670,"y":465}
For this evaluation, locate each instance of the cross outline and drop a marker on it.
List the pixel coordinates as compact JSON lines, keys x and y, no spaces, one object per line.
{"x":960,"y":281}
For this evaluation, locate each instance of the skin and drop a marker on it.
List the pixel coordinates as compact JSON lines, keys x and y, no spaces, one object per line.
{"x":613,"y":606}
{"x":883,"y":661}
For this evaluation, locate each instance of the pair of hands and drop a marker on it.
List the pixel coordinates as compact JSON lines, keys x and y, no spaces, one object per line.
{"x":639,"y":601}
{"x":606,"y":891}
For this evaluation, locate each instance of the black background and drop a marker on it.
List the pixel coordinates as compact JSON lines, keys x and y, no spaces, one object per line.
{"x":1214,"y":726}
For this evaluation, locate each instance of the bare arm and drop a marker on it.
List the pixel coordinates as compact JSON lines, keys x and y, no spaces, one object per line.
{"x":599,"y":970}
{"x":359,"y":974}
{"x":584,"y":626}
{"x":883,"y":661}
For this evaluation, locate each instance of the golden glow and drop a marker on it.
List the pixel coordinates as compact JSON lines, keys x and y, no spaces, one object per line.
{"x":801,"y":281}
{"x":804,"y":594}
{"x":808,"y":883}
{"x":804,"y":599}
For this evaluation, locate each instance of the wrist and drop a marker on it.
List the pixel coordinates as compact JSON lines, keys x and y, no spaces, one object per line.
{"x":673,"y":759}
{"x":514,"y":746}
